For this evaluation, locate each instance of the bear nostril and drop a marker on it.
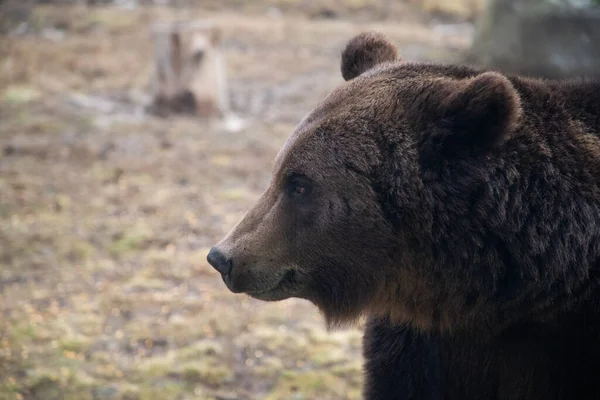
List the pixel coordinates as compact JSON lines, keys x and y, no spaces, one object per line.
{"x":219,"y":261}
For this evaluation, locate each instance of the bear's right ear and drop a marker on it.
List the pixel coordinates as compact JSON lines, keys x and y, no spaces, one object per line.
{"x":365,"y":51}
{"x":477,"y":115}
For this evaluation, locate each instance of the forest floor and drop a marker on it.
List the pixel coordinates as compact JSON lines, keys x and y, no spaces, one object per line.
{"x":107,"y":213}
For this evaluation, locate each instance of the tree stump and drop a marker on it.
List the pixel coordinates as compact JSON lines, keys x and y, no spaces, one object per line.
{"x":190,"y":72}
{"x":547,"y":38}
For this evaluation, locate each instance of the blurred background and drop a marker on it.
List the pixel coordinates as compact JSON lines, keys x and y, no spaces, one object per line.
{"x":134,"y":135}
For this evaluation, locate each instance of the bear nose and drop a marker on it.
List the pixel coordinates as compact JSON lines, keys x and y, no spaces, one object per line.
{"x":219,"y":261}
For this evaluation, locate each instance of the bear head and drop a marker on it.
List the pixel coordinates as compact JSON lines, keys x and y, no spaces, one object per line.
{"x":370,"y":194}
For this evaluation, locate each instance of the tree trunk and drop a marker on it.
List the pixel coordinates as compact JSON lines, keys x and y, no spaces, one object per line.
{"x":190,"y":73}
{"x":548,"y":38}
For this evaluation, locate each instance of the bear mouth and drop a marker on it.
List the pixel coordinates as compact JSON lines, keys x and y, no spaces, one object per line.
{"x":281,"y":291}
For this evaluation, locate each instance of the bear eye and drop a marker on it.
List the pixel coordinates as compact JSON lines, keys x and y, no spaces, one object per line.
{"x":298,"y":190}
{"x":298,"y":186}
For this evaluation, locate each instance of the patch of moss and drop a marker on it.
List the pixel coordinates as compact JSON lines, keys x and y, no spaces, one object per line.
{"x":59,"y":383}
{"x":74,"y":345}
{"x":308,"y":385}
{"x":168,"y":390}
{"x":200,"y":349}
{"x":87,"y":323}
{"x":202,"y":372}
{"x":127,"y":242}
{"x":156,"y":367}
{"x":21,"y":332}
{"x":26,"y":121}
{"x":9,"y":389}
{"x":20,"y":95}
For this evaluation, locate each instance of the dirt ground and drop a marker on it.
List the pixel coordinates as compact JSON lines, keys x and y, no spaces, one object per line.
{"x":107,"y":213}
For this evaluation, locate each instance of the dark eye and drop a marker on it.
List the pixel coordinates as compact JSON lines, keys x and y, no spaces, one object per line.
{"x":298,"y":187}
{"x":298,"y":190}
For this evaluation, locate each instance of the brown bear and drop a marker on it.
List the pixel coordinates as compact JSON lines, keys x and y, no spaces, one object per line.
{"x":458,"y":209}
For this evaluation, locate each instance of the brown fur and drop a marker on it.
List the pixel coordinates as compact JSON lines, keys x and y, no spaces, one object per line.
{"x":450,"y":200}
{"x":365,"y":51}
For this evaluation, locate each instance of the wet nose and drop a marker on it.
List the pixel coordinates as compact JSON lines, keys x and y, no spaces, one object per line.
{"x":219,"y":261}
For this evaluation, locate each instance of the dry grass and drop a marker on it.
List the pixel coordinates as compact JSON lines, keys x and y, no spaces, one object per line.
{"x":106,"y":214}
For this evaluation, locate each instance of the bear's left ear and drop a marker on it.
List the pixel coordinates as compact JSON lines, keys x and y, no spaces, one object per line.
{"x":476,"y":115}
{"x":364,"y":51}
